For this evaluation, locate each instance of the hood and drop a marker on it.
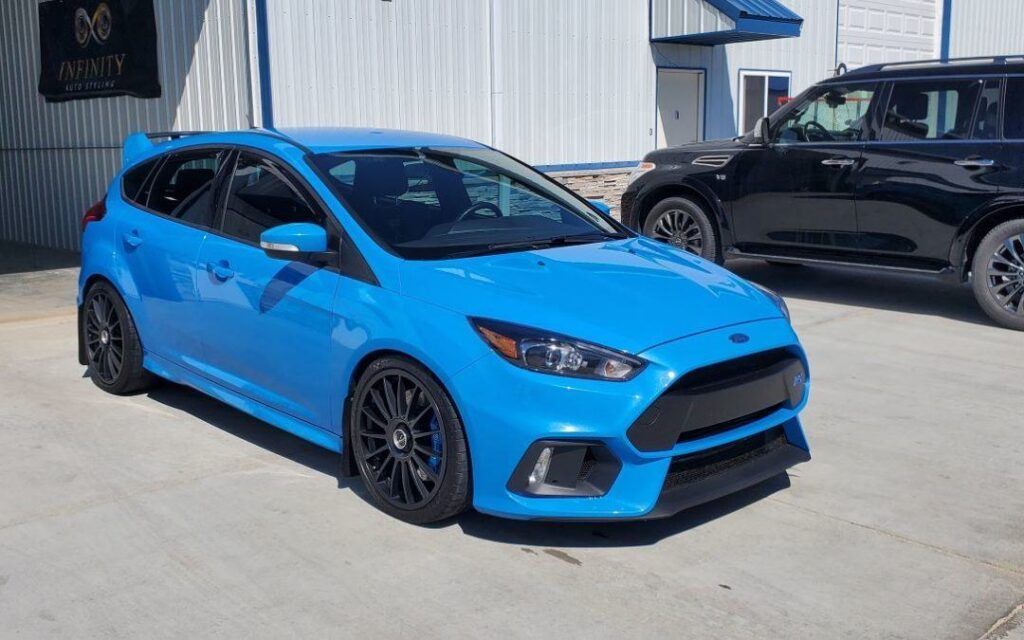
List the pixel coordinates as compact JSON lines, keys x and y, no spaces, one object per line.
{"x":629,"y":294}
{"x":695,"y":149}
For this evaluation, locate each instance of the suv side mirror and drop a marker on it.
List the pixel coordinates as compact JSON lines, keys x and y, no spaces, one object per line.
{"x":301,"y":241}
{"x":762,"y":131}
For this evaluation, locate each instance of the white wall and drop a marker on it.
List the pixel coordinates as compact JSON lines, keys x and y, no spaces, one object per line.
{"x":987,"y":27}
{"x":876,"y":31}
{"x":56,"y":159}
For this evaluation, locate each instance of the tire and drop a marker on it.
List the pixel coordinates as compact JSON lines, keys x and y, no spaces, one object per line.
{"x":112,"y":346}
{"x":997,"y":274}
{"x":684,"y":224}
{"x":408,"y":442}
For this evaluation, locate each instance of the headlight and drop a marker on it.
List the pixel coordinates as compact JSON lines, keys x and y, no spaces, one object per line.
{"x":547,"y":352}
{"x":640,"y":170}
{"x":776,"y":298}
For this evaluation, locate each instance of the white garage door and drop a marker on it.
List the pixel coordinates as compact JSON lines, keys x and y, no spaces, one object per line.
{"x":874,"y":31}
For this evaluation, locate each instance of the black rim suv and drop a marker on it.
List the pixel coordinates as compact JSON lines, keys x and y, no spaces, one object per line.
{"x":912,"y":166}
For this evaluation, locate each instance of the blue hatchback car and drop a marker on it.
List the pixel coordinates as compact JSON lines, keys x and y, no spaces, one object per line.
{"x":461,"y":329}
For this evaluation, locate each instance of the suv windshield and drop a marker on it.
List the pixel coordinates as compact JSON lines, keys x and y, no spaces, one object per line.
{"x":431,"y":203}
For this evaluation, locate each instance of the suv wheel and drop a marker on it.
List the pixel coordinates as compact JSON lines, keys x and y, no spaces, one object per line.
{"x":408,"y":443}
{"x":684,"y":224}
{"x":112,"y":344}
{"x":997,"y":274}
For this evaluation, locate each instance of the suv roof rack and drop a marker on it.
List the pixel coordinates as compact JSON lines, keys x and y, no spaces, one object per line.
{"x":1000,"y":60}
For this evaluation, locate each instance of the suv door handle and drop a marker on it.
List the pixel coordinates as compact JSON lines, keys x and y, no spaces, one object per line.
{"x":132,"y":239}
{"x":838,"y":162}
{"x":220,"y":270}
{"x":975,"y":163}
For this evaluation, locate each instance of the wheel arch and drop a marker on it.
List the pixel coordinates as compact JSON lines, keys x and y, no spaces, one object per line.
{"x":88,"y":283}
{"x":693,"y":191}
{"x":970,"y":237}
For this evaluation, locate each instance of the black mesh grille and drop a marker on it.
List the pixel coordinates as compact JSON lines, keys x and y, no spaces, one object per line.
{"x":699,"y":466}
{"x":725,"y":373}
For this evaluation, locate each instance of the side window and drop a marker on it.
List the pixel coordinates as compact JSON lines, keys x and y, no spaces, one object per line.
{"x":183,"y":187}
{"x":986,"y":125}
{"x":931,"y":110}
{"x":832,"y":114}
{"x":1013,"y":116}
{"x":260,"y":196}
{"x":133,"y":179}
{"x":761,"y":94}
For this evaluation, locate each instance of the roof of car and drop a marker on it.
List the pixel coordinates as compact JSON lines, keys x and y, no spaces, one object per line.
{"x":322,"y":139}
{"x":928,"y":68}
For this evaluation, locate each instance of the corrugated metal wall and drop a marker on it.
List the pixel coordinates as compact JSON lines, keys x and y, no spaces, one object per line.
{"x":686,"y":17}
{"x":987,"y":28}
{"x":57,"y":158}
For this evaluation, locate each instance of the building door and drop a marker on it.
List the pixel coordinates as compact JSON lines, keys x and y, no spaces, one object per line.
{"x":680,"y":106}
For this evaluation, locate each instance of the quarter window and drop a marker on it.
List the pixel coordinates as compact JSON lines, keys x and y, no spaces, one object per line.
{"x":830,"y":114}
{"x":260,"y":197}
{"x":986,"y":125}
{"x":761,"y":94}
{"x":1013,"y":127}
{"x":134,"y":179}
{"x":931,"y":110}
{"x":183,"y":187}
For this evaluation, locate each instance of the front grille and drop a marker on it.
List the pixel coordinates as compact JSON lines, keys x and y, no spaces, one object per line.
{"x":721,"y":397}
{"x":694,"y":467}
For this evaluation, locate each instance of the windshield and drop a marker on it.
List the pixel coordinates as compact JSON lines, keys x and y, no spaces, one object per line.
{"x":431,"y":203}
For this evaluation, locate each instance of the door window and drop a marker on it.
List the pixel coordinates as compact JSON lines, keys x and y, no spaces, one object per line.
{"x":986,"y":125}
{"x":259,"y":197}
{"x":1013,"y":125}
{"x":931,"y":110}
{"x":831,"y":114}
{"x":761,"y":94}
{"x":183,"y":188}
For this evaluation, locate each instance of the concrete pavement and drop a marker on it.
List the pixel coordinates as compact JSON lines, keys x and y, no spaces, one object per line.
{"x":168,"y":514}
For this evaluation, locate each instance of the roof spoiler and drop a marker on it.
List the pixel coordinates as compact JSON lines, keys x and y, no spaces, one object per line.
{"x":139,"y":143}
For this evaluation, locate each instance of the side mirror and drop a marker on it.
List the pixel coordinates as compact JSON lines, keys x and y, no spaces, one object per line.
{"x":302,"y":241}
{"x":762,"y":131}
{"x":601,"y":206}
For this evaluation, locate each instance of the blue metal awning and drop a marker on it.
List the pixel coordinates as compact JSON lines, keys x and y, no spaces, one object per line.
{"x":711,"y":22}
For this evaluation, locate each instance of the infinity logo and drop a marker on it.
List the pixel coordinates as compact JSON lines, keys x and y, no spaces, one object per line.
{"x":96,"y":27}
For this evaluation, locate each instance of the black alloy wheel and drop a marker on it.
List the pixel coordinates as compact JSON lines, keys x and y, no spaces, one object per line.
{"x":112,"y":346}
{"x":408,"y":443}
{"x":684,"y":224}
{"x":997,"y":274}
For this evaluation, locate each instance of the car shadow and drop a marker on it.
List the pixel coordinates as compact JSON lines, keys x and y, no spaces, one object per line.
{"x":888,"y":291}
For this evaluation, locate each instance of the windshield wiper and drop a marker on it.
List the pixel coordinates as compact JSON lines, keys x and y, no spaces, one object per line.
{"x":541,"y":243}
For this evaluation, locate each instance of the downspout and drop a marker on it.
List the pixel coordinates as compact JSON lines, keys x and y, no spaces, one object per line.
{"x":263,"y":61}
{"x":947,"y":23}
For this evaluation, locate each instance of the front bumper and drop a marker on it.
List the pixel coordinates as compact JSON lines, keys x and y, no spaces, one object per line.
{"x":506,"y":410}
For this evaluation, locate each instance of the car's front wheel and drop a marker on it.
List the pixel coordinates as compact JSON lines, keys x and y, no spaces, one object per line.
{"x":112,"y":345}
{"x":997,"y":274}
{"x":408,"y":442}
{"x":684,"y":224}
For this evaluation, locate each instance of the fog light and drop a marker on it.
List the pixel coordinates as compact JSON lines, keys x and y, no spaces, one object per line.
{"x":540,"y":470}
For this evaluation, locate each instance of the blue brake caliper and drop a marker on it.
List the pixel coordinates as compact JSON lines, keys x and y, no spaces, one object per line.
{"x":435,"y":444}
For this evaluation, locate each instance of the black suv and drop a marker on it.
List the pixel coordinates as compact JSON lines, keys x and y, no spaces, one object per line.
{"x":911,"y":166}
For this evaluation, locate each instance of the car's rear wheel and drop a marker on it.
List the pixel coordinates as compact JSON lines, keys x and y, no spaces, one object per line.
{"x":997,"y":274}
{"x":684,"y":224}
{"x":408,"y":442}
{"x":112,"y":346}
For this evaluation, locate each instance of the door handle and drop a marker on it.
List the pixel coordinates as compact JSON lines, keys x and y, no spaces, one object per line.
{"x":220,"y":270}
{"x":132,"y":239}
{"x":975,"y":163}
{"x":838,"y":162}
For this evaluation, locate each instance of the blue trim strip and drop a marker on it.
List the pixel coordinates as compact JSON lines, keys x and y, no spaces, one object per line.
{"x":586,"y":166}
{"x":263,"y":59}
{"x":947,"y":23}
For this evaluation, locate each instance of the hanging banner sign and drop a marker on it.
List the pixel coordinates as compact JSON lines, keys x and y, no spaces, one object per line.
{"x":97,"y":48}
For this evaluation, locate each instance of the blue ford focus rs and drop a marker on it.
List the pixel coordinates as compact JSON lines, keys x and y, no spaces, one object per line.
{"x":462,"y":330}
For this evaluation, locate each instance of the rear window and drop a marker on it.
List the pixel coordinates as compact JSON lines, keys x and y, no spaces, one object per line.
{"x":1013,"y":127}
{"x":931,"y":110}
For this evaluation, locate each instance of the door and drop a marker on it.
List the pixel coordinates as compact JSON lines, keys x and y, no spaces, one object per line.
{"x":680,"y":107}
{"x":266,"y":323}
{"x":937,"y":160}
{"x":797,"y":192}
{"x":160,"y":236}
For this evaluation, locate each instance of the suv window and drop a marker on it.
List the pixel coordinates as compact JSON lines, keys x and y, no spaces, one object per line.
{"x":183,"y":186}
{"x":1013,"y":118}
{"x":931,"y":110}
{"x":830,"y":114}
{"x":986,"y":125}
{"x":131,"y":183}
{"x":260,"y":197}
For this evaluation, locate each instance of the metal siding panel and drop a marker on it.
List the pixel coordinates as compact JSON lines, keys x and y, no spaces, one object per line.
{"x":986,"y":28}
{"x":56,"y":159}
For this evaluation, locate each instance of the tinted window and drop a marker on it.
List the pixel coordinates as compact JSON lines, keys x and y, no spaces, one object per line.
{"x":1013,"y":127}
{"x":986,"y":125}
{"x":134,"y":179}
{"x":931,"y":110}
{"x":436,"y":203}
{"x":828,"y":114}
{"x":183,"y":187}
{"x":260,"y":196}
